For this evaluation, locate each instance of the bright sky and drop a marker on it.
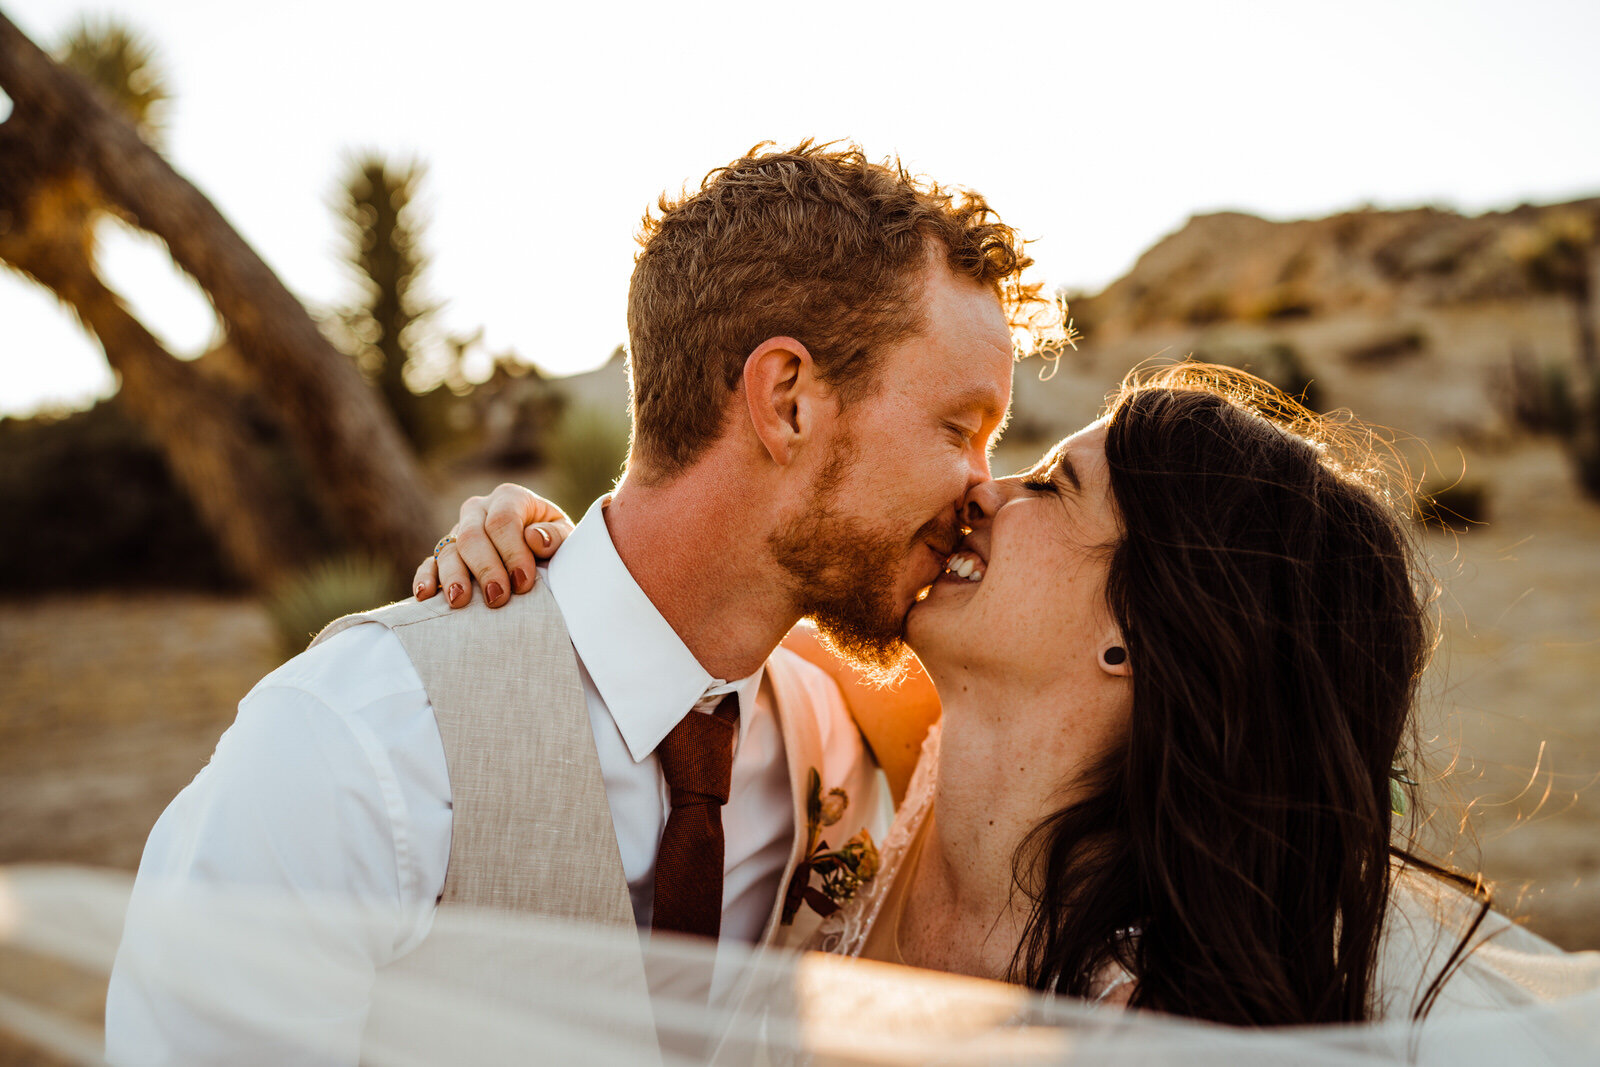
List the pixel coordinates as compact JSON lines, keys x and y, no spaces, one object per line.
{"x":549,"y":127}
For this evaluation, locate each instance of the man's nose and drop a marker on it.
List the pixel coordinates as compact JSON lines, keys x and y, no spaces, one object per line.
{"x":980,"y":468}
{"x":982,"y":501}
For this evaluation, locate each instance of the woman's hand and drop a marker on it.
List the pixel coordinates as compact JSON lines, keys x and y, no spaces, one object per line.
{"x":499,"y":540}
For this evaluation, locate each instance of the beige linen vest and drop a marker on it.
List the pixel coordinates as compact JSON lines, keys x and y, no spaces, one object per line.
{"x":530,"y":827}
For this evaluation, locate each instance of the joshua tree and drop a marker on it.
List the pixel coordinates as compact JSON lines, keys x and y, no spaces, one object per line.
{"x":124,"y":70}
{"x":193,"y":418}
{"x":383,"y":243}
{"x":63,"y":144}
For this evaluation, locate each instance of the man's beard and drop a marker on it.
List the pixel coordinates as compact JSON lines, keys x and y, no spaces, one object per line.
{"x":845,"y":576}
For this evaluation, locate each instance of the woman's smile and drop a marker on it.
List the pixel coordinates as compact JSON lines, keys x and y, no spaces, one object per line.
{"x":965,"y":564}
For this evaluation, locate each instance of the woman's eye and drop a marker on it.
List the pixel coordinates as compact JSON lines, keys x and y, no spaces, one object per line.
{"x":1041,"y":481}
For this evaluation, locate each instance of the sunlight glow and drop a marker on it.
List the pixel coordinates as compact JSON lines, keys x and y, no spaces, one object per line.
{"x":48,"y":362}
{"x":166,"y":299}
{"x":1095,"y":129}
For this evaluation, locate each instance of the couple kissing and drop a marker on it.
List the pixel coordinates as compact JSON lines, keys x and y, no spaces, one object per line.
{"x":1171,"y":670}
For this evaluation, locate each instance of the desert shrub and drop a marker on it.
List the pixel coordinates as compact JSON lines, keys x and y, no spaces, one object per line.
{"x":300,"y":606}
{"x":1387,"y":349}
{"x":1458,"y":506}
{"x":1559,"y":401}
{"x":87,"y":501}
{"x":1535,"y":397}
{"x":586,"y":454}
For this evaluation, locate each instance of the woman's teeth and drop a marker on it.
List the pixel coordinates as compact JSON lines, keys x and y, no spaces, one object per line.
{"x":965,"y":565}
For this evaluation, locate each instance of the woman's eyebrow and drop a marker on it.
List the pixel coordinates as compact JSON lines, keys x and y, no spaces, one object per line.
{"x":1064,"y":462}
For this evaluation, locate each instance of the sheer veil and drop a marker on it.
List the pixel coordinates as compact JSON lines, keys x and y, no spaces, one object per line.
{"x":490,"y":988}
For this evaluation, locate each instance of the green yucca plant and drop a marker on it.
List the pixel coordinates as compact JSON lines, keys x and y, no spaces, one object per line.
{"x":300,"y":606}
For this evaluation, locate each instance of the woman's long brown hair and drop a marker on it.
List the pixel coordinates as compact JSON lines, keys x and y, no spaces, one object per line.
{"x":1236,"y":856}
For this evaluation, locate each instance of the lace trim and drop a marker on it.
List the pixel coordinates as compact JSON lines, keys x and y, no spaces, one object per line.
{"x":844,"y":933}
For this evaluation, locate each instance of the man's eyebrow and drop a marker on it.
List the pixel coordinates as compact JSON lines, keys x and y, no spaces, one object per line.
{"x":984,"y":401}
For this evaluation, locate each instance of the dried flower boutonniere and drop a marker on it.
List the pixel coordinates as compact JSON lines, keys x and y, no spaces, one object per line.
{"x":844,"y":870}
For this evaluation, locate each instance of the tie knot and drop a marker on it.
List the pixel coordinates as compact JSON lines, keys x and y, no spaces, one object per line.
{"x":697,"y":756}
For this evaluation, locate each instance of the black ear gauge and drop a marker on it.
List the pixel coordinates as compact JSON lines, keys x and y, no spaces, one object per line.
{"x":1116,"y":655}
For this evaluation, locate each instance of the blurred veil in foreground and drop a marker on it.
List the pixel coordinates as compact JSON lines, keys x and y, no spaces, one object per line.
{"x":492,"y":988}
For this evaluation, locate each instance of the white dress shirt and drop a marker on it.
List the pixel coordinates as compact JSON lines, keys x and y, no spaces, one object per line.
{"x":639,"y":679}
{"x":332,"y":781}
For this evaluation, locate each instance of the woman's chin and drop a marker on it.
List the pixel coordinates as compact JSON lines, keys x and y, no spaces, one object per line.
{"x":937,"y":610}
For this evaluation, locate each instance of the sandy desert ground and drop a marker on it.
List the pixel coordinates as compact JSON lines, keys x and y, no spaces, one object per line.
{"x":110,"y":703}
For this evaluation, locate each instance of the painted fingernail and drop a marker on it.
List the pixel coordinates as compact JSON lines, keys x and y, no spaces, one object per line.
{"x":518,"y":578}
{"x":544,"y":535}
{"x":492,"y":592}
{"x":455,"y":593}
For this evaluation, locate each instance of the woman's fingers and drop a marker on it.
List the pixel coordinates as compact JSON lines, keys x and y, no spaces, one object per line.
{"x":524,"y":503}
{"x":482,"y":560}
{"x":499,"y":541}
{"x":454,"y":577}
{"x":545,"y":537}
{"x":511,"y":508}
{"x":426,"y":583}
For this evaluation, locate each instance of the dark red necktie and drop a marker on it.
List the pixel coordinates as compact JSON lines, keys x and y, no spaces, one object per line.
{"x":697,"y":760}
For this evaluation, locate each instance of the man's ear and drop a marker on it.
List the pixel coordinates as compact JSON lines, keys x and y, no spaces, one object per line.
{"x":780,"y":389}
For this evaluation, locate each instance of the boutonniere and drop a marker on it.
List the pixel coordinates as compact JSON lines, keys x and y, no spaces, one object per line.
{"x":844,"y":870}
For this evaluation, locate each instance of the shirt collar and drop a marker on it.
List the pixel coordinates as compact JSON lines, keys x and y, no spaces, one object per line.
{"x":646,"y":675}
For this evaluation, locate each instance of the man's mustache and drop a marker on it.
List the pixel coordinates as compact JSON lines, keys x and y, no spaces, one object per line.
{"x":942,"y":533}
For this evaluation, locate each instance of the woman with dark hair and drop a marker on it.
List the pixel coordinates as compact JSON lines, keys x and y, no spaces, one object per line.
{"x":1176,"y":678}
{"x":1178,"y":663}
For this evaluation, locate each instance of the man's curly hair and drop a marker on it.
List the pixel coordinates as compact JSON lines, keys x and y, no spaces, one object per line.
{"x":816,"y":243}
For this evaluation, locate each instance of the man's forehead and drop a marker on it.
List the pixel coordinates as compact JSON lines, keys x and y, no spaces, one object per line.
{"x":966,"y":317}
{"x":961,"y":359}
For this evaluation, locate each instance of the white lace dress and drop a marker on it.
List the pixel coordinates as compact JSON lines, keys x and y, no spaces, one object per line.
{"x":848,"y":931}
{"x":1507,"y":966}
{"x":844,"y":933}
